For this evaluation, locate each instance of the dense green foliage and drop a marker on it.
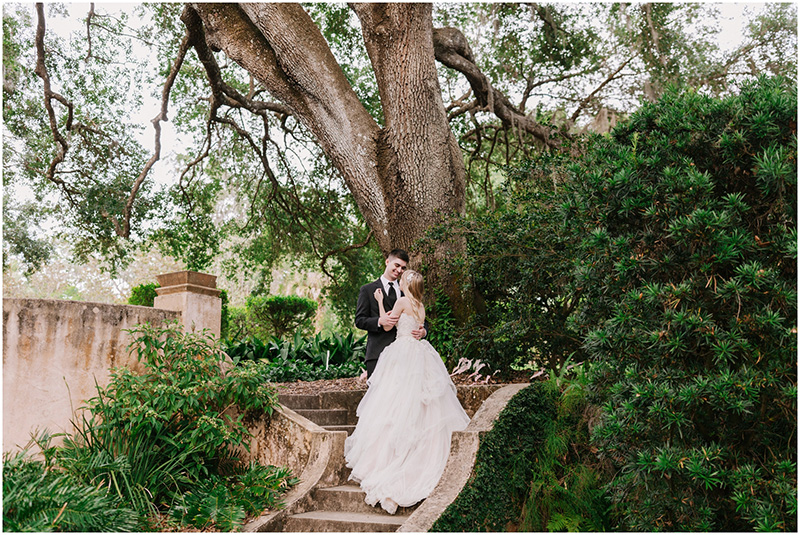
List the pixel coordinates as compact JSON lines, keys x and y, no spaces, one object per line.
{"x":143,"y":294}
{"x":223,"y":503}
{"x":284,"y":371}
{"x":671,"y":246}
{"x":533,"y":470}
{"x":442,"y":328}
{"x":151,"y":439}
{"x":493,"y":497}
{"x":281,"y":314}
{"x":566,"y":490}
{"x":688,"y":285}
{"x":300,"y":358}
{"x":225,"y":319}
{"x":39,"y":498}
{"x":519,"y":260}
{"x":318,"y":349}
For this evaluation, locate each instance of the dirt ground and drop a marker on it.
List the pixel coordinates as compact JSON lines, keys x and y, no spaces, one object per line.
{"x":359,"y":383}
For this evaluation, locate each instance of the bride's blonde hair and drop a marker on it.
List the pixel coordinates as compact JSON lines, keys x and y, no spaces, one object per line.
{"x":414,"y":288}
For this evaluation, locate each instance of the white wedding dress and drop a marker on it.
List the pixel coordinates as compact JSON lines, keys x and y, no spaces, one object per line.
{"x":400,"y":446}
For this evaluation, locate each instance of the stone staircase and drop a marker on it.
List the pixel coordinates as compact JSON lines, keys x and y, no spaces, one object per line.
{"x":338,"y":508}
{"x":308,"y":433}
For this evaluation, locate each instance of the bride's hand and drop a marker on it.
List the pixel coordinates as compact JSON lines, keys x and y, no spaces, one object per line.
{"x":378,"y":295}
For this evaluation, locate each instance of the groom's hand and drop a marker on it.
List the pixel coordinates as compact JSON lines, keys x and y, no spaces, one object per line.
{"x":420,"y":333}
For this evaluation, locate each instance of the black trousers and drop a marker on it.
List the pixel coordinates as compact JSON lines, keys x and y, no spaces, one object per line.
{"x":370,"y":364}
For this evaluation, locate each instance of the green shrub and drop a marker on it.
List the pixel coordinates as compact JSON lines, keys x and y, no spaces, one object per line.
{"x":153,"y":437}
{"x":144,"y":294}
{"x":493,"y":497}
{"x":319,"y":350}
{"x":302,"y":359}
{"x":224,"y":321}
{"x":566,"y":490}
{"x":223,"y":503}
{"x":442,"y":324}
{"x":238,"y":324}
{"x":688,"y":295}
{"x":39,"y":498}
{"x":534,"y":470}
{"x":289,"y":370}
{"x":519,"y":261}
{"x":280,"y":314}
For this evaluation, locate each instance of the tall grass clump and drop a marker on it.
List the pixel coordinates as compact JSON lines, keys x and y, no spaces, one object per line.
{"x":38,"y":497}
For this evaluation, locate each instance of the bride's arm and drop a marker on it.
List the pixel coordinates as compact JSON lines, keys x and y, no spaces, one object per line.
{"x":391,"y":317}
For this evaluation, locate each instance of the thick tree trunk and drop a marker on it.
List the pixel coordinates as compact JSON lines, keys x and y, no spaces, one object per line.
{"x":404,"y":177}
{"x":420,"y":163}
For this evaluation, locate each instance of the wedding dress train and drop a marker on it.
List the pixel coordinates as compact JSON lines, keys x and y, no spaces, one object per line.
{"x":400,"y":446}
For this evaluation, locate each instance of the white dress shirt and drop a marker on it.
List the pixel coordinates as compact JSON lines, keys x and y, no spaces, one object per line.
{"x":385,"y":283}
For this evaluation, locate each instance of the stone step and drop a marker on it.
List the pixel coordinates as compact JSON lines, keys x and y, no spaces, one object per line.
{"x":324,"y":417}
{"x":338,"y":521}
{"x":300,"y":401}
{"x":348,"y":428}
{"x":350,"y":498}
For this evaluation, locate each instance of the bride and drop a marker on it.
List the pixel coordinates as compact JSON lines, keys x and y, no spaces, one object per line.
{"x":400,"y":446}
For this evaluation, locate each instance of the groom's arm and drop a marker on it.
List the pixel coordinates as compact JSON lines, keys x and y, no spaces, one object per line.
{"x":364,"y":318}
{"x":422,"y":332}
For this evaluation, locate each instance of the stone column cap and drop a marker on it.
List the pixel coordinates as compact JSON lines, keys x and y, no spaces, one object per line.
{"x":187,"y":281}
{"x":187,"y":277}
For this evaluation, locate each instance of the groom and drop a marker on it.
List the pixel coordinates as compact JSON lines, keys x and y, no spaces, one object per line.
{"x":368,"y":316}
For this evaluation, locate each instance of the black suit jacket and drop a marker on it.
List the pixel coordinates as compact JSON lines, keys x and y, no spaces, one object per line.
{"x":367,"y":315}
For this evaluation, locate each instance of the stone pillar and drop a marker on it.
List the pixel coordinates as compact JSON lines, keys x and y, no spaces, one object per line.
{"x":195,"y":296}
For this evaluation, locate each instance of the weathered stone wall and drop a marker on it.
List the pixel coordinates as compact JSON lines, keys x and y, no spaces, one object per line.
{"x":54,"y":351}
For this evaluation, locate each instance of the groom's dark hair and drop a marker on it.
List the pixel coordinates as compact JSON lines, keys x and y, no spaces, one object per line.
{"x":399,"y":253}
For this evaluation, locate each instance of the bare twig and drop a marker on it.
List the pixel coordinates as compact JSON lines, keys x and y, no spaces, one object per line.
{"x":585,"y":102}
{"x":89,"y":31}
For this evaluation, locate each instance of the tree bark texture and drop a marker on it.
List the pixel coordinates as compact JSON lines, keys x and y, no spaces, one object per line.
{"x":405,"y":176}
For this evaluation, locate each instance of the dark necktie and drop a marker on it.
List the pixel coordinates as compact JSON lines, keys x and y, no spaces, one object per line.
{"x":392,"y":295}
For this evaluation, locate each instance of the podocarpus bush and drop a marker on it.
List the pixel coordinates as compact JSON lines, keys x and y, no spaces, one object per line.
{"x":689,"y":300}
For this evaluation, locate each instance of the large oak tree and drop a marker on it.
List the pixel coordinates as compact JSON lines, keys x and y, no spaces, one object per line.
{"x":400,"y":151}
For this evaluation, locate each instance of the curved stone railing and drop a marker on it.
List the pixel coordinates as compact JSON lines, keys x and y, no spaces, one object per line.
{"x":463,"y":450}
{"x":315,"y":455}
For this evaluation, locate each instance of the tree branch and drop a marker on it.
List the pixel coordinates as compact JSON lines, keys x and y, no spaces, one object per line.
{"x":156,"y":121}
{"x":89,"y":32}
{"x":340,"y":251}
{"x":279,"y":44}
{"x":49,"y":96}
{"x":452,"y":50}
